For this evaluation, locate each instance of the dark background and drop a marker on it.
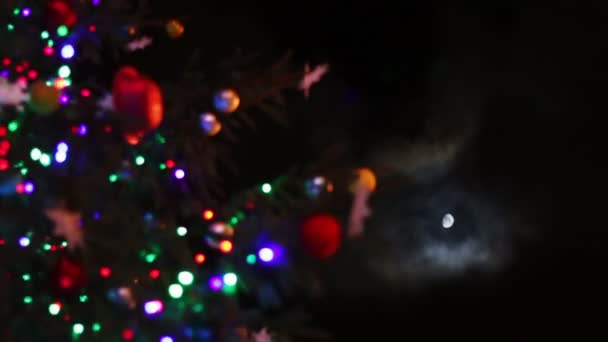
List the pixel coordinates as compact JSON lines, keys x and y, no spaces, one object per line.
{"x":541,"y":71}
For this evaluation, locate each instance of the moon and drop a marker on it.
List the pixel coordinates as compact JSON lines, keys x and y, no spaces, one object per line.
{"x":448,"y":221}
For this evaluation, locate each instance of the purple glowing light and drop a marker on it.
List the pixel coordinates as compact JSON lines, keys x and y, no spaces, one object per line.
{"x":266,"y":254}
{"x":26,"y":12}
{"x":166,"y":339}
{"x":179,"y":174}
{"x":64,"y":99}
{"x":24,"y":241}
{"x":153,"y":307}
{"x":29,"y":187}
{"x":82,"y":129}
{"x":60,"y":157}
{"x":95,"y":2}
{"x":4,"y":73}
{"x":216,"y":283}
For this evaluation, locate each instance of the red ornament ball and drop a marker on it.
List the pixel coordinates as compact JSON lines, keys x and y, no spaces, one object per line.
{"x":68,"y":275}
{"x":60,"y":12}
{"x":321,"y":235}
{"x":140,"y":99}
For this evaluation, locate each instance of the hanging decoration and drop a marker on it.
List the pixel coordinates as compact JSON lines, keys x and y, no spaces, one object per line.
{"x":210,"y":124}
{"x":12,"y":93}
{"x":226,"y":101}
{"x":139,"y":98}
{"x":318,"y":185}
{"x":312,"y":76}
{"x":67,"y":225}
{"x":362,"y":187}
{"x":321,"y":235}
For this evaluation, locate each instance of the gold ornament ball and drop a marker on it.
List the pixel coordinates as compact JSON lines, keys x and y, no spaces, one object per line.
{"x":174,"y":29}
{"x":365,"y":178}
{"x":43,"y":99}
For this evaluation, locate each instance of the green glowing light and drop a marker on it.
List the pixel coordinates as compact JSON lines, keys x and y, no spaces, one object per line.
{"x":62,"y":31}
{"x":28,"y":300}
{"x":45,"y":160}
{"x":113,"y":178}
{"x":23,"y":171}
{"x":251,"y":259}
{"x":44,"y":34}
{"x":176,"y":291}
{"x":84,"y":298}
{"x":182,"y":231}
{"x":16,"y":11}
{"x":10,"y":27}
{"x":78,"y":329}
{"x":185,"y":278}
{"x":96,"y":327}
{"x":162,"y":166}
{"x":54,"y":309}
{"x":230,"y":279}
{"x":13,"y":126}
{"x":266,"y":188}
{"x":26,"y":277}
{"x":198,"y":307}
{"x":46,"y":247}
{"x":64,"y":71}
{"x":35,"y":154}
{"x":139,"y":160}
{"x":150,"y":258}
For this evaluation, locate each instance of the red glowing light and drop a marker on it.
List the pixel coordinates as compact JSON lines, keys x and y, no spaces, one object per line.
{"x":2,"y":242}
{"x":105,"y":272}
{"x":208,"y":214}
{"x":4,"y":164}
{"x":225,"y":246}
{"x":199,"y":258}
{"x":85,"y":92}
{"x":32,"y":74}
{"x":19,"y":68}
{"x":154,"y":274}
{"x":92,"y":28}
{"x":107,"y":129}
{"x":170,"y":164}
{"x":128,"y":334}
{"x":3,"y":131}
{"x":6,"y":61}
{"x":48,"y":51}
{"x":65,"y":282}
{"x":20,"y":188}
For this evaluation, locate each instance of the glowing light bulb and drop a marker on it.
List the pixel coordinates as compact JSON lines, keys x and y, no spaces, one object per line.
{"x":215,"y":283}
{"x":54,"y":308}
{"x":153,"y":307}
{"x":266,"y":254}
{"x":24,"y":241}
{"x":230,"y":279}
{"x":225,"y":246}
{"x":176,"y":291}
{"x":185,"y":278}
{"x":67,"y":51}
{"x":179,"y":174}
{"x":64,"y":71}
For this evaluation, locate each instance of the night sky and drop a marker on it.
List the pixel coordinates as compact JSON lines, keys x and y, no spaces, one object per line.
{"x":491,"y":111}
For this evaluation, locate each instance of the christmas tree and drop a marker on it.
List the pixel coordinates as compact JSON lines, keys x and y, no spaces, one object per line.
{"x":115,"y":225}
